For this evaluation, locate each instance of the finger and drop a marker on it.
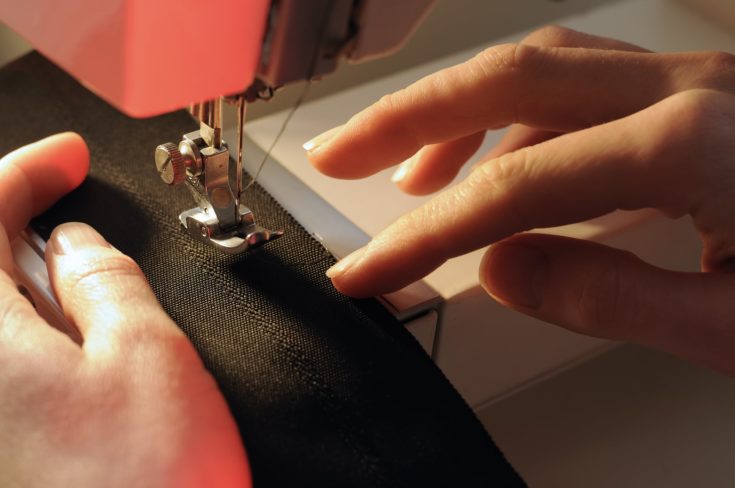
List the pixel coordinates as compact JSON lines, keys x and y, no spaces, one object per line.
{"x":31,"y":179}
{"x":35,"y":176}
{"x":603,"y":292}
{"x":103,"y":292}
{"x":435,"y":166}
{"x":642,"y":161}
{"x":518,"y":135}
{"x":557,"y":89}
{"x":557,"y":36}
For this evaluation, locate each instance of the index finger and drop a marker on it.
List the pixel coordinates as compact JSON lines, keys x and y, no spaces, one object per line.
{"x":557,"y":89}
{"x":33,"y":177}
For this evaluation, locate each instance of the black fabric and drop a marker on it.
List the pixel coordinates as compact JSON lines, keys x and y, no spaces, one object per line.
{"x":326,"y":390}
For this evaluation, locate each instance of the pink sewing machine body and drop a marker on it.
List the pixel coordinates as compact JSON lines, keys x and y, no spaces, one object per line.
{"x":147,"y":57}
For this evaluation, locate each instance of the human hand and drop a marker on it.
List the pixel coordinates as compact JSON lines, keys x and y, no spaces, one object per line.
{"x":133,"y":405}
{"x":600,"y":125}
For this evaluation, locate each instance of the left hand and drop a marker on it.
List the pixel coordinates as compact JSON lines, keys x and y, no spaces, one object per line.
{"x":133,"y":405}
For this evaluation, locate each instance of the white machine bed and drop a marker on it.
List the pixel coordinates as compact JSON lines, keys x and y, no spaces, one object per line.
{"x":486,"y":351}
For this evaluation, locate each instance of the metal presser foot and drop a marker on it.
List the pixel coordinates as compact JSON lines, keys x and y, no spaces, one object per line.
{"x":202,"y":161}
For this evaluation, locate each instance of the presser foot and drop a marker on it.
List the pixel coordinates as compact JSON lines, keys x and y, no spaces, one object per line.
{"x":246,"y":236}
{"x":202,"y":162}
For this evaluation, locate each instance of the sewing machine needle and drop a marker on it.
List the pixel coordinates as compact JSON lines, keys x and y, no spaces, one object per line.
{"x":240,"y":127}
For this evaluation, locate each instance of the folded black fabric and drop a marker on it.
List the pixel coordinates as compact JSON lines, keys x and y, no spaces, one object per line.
{"x":326,"y":391}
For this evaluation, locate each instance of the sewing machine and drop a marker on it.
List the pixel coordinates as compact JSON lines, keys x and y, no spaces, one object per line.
{"x":143,"y":58}
{"x":485,"y":350}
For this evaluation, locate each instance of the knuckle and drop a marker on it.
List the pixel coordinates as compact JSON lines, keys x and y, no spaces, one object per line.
{"x":512,"y":69}
{"x":388,"y":103}
{"x":501,"y":58}
{"x":705,"y":120}
{"x":686,"y":124}
{"x":108,"y":271}
{"x":698,"y":115}
{"x":706,"y":128}
{"x":15,"y":309}
{"x":502,"y":177}
{"x":551,"y":35}
{"x":512,"y":66}
{"x":502,"y":172}
{"x":718,"y":66}
{"x":697,"y":106}
{"x":394,"y":106}
{"x":606,"y":302}
{"x":722,"y":61}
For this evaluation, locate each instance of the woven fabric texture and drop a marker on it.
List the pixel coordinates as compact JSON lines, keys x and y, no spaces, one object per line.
{"x":326,"y":391}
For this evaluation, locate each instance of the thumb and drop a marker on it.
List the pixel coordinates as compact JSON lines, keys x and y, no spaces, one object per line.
{"x":103,"y":292}
{"x":603,"y":292}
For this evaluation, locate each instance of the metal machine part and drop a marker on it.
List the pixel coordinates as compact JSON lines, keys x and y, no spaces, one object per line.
{"x":304,"y":40}
{"x":202,"y":161}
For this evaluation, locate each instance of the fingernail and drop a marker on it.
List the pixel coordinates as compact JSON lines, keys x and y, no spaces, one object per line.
{"x":74,"y":237}
{"x":345,"y":263}
{"x":318,"y":142}
{"x":516,"y":273}
{"x":404,"y":168}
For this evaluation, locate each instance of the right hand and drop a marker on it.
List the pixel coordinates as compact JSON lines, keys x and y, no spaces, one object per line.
{"x":599,"y":125}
